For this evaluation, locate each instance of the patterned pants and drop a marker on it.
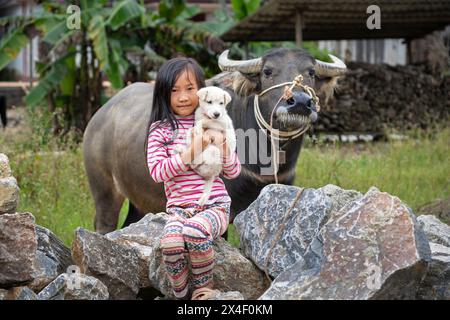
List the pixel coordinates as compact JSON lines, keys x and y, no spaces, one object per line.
{"x":186,"y":245}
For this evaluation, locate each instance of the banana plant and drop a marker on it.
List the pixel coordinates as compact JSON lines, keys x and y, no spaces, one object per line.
{"x":244,"y":8}
{"x":111,"y":34}
{"x":73,"y":61}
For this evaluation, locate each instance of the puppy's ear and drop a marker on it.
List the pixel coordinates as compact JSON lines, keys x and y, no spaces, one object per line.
{"x":202,"y":94}
{"x":226,"y":98}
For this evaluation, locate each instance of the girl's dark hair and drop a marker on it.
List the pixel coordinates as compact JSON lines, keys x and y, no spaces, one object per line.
{"x":165,"y":80}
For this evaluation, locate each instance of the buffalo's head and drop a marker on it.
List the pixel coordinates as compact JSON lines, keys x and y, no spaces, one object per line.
{"x":279,"y":66}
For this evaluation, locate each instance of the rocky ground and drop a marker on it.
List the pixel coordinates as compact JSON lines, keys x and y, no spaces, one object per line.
{"x":325,"y":243}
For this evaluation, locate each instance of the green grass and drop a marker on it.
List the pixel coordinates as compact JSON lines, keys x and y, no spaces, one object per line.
{"x":54,"y":186}
{"x":416,"y":170}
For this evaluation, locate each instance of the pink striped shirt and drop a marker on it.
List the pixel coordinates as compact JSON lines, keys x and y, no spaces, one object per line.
{"x":181,"y":184}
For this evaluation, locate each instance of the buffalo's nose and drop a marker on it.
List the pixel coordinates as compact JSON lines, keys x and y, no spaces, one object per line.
{"x":216,"y":114}
{"x":300,"y":102}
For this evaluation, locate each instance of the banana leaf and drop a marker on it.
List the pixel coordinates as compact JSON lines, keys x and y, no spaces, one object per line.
{"x":97,"y":34}
{"x":11,"y":45}
{"x":124,"y":12}
{"x":52,"y":79}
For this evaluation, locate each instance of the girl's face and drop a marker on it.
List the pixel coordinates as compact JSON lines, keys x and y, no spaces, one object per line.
{"x":184,"y":99}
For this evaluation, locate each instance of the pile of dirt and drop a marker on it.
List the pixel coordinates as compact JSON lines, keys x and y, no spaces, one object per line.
{"x":372,"y":98}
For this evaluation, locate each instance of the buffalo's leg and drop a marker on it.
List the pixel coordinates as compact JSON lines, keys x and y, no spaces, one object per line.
{"x":134,"y":215}
{"x":108,"y":202}
{"x":3,"y":116}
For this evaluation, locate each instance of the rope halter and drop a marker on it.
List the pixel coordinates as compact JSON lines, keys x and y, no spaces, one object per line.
{"x":276,"y":134}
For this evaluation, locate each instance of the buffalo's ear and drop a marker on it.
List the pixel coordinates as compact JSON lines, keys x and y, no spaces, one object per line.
{"x":246,"y":84}
{"x":324,"y":87}
{"x":226,"y":98}
{"x":202,"y":94}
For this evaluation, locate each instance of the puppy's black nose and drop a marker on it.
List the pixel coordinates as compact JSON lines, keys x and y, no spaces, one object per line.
{"x":216,"y":114}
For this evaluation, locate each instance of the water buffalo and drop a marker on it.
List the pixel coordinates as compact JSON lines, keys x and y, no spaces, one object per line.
{"x":115,"y":139}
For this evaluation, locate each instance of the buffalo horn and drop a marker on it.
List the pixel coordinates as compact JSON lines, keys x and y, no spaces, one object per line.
{"x":326,"y":69}
{"x":243,"y":66}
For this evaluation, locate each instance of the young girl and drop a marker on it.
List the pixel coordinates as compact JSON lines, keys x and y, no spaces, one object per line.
{"x":188,"y":236}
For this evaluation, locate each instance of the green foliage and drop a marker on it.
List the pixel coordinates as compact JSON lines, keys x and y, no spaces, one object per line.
{"x":103,"y":44}
{"x":56,"y":76}
{"x":313,"y":49}
{"x":244,"y":8}
{"x":57,"y":31}
{"x":124,"y":12}
{"x":11,"y":45}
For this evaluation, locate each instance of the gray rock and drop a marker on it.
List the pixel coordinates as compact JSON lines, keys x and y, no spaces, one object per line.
{"x":263,"y":225}
{"x":373,"y":248}
{"x":340,"y":197}
{"x":436,"y":284}
{"x":18,"y":293}
{"x":18,"y":244}
{"x":52,"y":259}
{"x":143,"y":236}
{"x":436,"y":231}
{"x":230,"y":295}
{"x":234,"y":272}
{"x":9,"y":195}
{"x":5,"y":170}
{"x":113,"y":264}
{"x":75,"y":286}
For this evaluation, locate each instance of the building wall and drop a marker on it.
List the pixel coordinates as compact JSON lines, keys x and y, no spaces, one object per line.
{"x":22,"y":63}
{"x":389,"y":51}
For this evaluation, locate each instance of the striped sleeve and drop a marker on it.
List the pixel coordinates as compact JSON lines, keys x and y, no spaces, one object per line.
{"x":231,"y":167}
{"x":162,"y":167}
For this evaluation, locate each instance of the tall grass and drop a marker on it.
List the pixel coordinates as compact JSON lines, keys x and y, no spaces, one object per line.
{"x":55,"y":190}
{"x":416,"y":170}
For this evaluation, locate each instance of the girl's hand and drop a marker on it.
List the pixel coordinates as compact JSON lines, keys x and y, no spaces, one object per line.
{"x":225,"y":151}
{"x":199,"y":141}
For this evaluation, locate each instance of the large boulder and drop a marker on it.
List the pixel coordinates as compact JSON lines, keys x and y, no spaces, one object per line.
{"x":340,"y":197}
{"x":113,"y":264}
{"x":142,"y":236}
{"x":275,"y":237}
{"x":74,"y":286}
{"x":436,"y":231}
{"x":232,"y":272}
{"x":372,"y":248}
{"x":52,"y":258}
{"x":18,"y":293}
{"x":436,"y":284}
{"x":18,"y":244}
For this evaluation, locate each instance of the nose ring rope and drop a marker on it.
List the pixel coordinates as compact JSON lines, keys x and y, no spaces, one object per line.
{"x":278,"y":134}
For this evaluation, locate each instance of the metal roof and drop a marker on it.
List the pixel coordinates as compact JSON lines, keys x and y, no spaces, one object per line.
{"x":341,"y":19}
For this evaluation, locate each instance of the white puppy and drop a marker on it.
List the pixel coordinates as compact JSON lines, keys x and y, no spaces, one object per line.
{"x":211,"y":116}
